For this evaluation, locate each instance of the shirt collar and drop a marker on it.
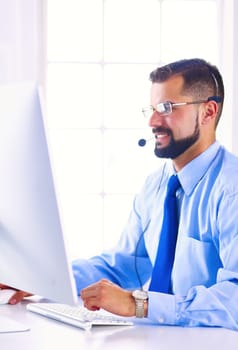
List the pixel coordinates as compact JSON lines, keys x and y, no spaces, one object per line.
{"x":192,"y":173}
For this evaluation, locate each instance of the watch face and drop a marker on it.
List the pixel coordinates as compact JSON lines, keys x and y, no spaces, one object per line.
{"x":140,"y":294}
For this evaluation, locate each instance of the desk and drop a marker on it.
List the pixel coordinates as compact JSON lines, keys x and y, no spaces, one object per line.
{"x":48,"y":334}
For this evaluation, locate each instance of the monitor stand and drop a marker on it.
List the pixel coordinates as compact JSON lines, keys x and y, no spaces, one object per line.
{"x":7,"y":325}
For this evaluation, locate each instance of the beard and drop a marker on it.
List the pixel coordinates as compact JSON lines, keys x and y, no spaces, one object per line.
{"x":175,"y":148}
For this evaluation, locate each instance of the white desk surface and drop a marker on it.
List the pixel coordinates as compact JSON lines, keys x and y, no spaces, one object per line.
{"x":47,"y":334}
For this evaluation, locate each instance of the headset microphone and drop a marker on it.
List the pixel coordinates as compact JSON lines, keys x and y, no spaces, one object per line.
{"x":142,"y":142}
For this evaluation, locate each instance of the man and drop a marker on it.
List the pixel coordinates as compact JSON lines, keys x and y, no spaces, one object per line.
{"x":186,"y":104}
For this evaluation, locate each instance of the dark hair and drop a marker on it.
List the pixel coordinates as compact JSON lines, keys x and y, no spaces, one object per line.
{"x":201,"y":79}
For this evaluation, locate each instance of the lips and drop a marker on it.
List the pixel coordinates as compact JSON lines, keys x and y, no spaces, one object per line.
{"x":161,"y":136}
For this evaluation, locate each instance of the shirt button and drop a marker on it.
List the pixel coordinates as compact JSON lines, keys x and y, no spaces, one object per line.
{"x":161,"y":320}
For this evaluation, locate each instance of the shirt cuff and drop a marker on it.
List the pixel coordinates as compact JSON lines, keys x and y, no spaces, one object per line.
{"x":162,"y":308}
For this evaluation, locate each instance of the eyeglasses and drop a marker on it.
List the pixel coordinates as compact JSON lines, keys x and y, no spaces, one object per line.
{"x":166,"y":108}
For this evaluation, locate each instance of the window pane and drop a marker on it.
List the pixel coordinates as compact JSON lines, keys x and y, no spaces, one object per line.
{"x":189,"y":29}
{"x":74,"y":95}
{"x":100,"y":54}
{"x":116,"y":213}
{"x":77,"y":156}
{"x":125,"y":163}
{"x":74,"y":30}
{"x":132,"y":30}
{"x":126,"y":92}
{"x":83,"y":223}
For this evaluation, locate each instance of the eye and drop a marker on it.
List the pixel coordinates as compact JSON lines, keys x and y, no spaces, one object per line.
{"x":164,"y":107}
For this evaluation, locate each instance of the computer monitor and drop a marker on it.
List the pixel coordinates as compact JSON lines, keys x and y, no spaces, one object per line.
{"x":33,"y":255}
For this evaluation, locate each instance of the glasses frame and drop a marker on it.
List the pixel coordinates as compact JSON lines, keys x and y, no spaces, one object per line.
{"x":166,"y":108}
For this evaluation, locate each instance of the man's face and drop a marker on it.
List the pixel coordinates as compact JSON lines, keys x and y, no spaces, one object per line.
{"x":177,"y":132}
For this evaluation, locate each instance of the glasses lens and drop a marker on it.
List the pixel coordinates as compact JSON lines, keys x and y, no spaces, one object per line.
{"x":164,"y":107}
{"x":148,"y":111}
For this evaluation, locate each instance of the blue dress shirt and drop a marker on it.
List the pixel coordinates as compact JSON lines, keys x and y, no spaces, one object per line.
{"x":205,"y":271}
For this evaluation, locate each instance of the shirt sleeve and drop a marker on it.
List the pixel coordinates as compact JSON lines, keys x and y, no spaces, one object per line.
{"x":115,"y":266}
{"x":201,"y":307}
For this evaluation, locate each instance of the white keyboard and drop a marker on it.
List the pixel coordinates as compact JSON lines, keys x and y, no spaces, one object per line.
{"x":77,"y":315}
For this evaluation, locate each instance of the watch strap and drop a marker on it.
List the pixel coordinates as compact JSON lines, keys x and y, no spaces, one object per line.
{"x":140,"y":308}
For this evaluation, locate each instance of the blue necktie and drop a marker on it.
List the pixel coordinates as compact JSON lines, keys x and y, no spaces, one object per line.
{"x":161,"y":275}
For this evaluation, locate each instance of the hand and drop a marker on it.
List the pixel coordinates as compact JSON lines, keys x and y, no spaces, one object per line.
{"x":17,"y":297}
{"x":110,"y":297}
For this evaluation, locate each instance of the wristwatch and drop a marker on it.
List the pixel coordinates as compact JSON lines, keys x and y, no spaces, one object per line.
{"x":141,"y":298}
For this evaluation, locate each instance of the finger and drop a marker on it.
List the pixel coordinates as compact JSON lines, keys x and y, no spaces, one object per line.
{"x":3,"y":286}
{"x":91,"y":304}
{"x":95,"y":288}
{"x":90,"y":291}
{"x":17,"y":297}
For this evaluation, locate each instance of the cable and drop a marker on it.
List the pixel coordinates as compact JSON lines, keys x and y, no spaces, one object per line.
{"x":142,"y":236}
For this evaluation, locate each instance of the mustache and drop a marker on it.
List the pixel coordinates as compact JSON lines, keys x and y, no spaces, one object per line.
{"x":161,"y":129}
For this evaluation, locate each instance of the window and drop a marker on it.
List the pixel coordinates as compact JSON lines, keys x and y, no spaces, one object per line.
{"x":99,"y":56}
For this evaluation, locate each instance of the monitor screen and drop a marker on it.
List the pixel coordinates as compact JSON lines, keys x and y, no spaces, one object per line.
{"x":33,"y":255}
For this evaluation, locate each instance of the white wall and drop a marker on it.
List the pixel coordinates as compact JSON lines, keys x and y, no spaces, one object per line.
{"x":21,"y":52}
{"x":235,"y":80}
{"x":229,"y":65}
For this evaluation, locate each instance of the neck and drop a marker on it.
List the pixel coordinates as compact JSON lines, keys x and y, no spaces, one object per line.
{"x":191,"y":153}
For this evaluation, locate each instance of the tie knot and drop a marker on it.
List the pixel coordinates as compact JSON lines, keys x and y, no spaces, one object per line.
{"x":173,"y":185}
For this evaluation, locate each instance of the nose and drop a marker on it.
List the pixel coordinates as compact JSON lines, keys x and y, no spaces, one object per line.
{"x":156,"y":119}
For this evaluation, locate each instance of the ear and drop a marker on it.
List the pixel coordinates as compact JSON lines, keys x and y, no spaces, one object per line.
{"x":209,"y":112}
